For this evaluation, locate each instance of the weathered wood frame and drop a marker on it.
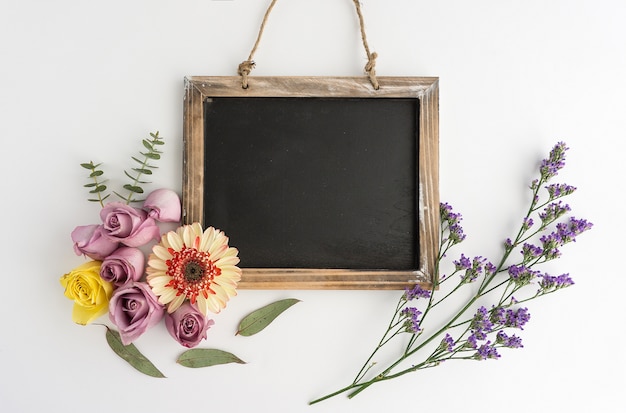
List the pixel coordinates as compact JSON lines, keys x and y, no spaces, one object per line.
{"x":425,"y":89}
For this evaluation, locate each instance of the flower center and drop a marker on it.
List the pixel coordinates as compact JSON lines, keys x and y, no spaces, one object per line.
{"x":192,"y":273}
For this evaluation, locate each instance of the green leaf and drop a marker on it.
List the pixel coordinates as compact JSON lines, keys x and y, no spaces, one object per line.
{"x":96,"y":173}
{"x":99,"y":200}
{"x":133,"y":188}
{"x":151,"y":155}
{"x":136,"y":160}
{"x":89,"y":165}
{"x":143,"y":171}
{"x":131,"y":354}
{"x":100,"y":188}
{"x":135,"y":179}
{"x":206,"y":357}
{"x":261,"y":318}
{"x":147,"y":144}
{"x":90,"y":185}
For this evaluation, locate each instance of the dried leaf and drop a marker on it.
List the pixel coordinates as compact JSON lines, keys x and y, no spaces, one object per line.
{"x":131,"y":354}
{"x":206,"y":357}
{"x":261,"y":318}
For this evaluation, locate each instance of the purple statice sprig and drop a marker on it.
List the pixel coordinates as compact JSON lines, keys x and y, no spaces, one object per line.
{"x":481,"y":325}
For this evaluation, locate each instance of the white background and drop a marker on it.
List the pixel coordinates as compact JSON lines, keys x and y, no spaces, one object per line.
{"x":84,"y":80}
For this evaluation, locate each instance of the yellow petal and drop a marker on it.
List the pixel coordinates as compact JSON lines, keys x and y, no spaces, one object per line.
{"x":84,"y":316}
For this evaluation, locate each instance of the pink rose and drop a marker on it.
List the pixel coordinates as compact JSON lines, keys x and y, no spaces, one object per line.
{"x":134,"y":309}
{"x":187,"y":325}
{"x":128,"y":225}
{"x":91,"y":241}
{"x":163,"y":205}
{"x":123,"y":265}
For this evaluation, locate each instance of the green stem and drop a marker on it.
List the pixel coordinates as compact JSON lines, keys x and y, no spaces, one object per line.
{"x":484,"y":288}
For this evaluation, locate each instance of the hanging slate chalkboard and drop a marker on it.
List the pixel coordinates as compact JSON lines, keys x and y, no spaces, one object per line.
{"x":319,"y":182}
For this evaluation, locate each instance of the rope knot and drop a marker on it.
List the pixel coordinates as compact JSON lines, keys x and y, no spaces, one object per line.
{"x":370,"y":69}
{"x":244,"y":70}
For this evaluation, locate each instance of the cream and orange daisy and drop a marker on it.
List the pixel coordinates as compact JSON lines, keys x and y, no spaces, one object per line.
{"x":196,"y":265}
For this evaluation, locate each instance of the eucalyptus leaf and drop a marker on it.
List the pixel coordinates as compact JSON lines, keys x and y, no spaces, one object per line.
{"x":100,"y":188}
{"x":96,"y":173}
{"x":131,"y":355}
{"x":135,"y":179}
{"x":261,"y":318}
{"x":147,"y":144}
{"x":151,"y":155}
{"x":90,"y":185}
{"x":143,"y":171}
{"x":206,"y":357}
{"x":133,"y":188}
{"x":89,"y":165}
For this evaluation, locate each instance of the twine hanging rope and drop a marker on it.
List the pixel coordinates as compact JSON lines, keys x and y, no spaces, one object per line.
{"x":246,"y":66}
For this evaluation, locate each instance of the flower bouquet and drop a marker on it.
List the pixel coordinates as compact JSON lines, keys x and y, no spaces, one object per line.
{"x":188,"y":274}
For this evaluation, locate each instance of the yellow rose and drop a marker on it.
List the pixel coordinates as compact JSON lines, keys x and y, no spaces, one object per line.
{"x":90,"y":293}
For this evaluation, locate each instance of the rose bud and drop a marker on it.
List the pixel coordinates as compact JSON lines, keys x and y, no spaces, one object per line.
{"x":128,"y":225}
{"x":134,"y":309}
{"x":123,"y":265}
{"x":91,"y":241}
{"x":187,"y":325}
{"x":163,"y":205}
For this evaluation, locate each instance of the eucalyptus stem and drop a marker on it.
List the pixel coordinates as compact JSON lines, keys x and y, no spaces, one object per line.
{"x":97,"y":187}
{"x":145,"y":168}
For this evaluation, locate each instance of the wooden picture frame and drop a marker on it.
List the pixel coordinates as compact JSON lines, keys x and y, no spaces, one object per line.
{"x":202,"y":92}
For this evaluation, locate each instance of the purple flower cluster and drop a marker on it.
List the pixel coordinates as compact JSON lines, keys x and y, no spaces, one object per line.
{"x":412,"y":321}
{"x":556,"y":161}
{"x":565,"y":232}
{"x":501,"y":317}
{"x":451,"y":220}
{"x":554,"y":211}
{"x":485,"y":322}
{"x":416,"y":292}
{"x":447,"y":343}
{"x":517,"y":318}
{"x":522,"y":275}
{"x":550,"y":283}
{"x":527,"y":223}
{"x":508,"y":341}
{"x":531,"y":252}
{"x":473,"y":268}
{"x":559,"y":190}
{"x":568,"y":231}
{"x":481,"y":324}
{"x":486,"y":351}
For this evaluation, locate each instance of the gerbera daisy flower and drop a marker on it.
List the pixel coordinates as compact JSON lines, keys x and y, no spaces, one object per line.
{"x":195,"y":265}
